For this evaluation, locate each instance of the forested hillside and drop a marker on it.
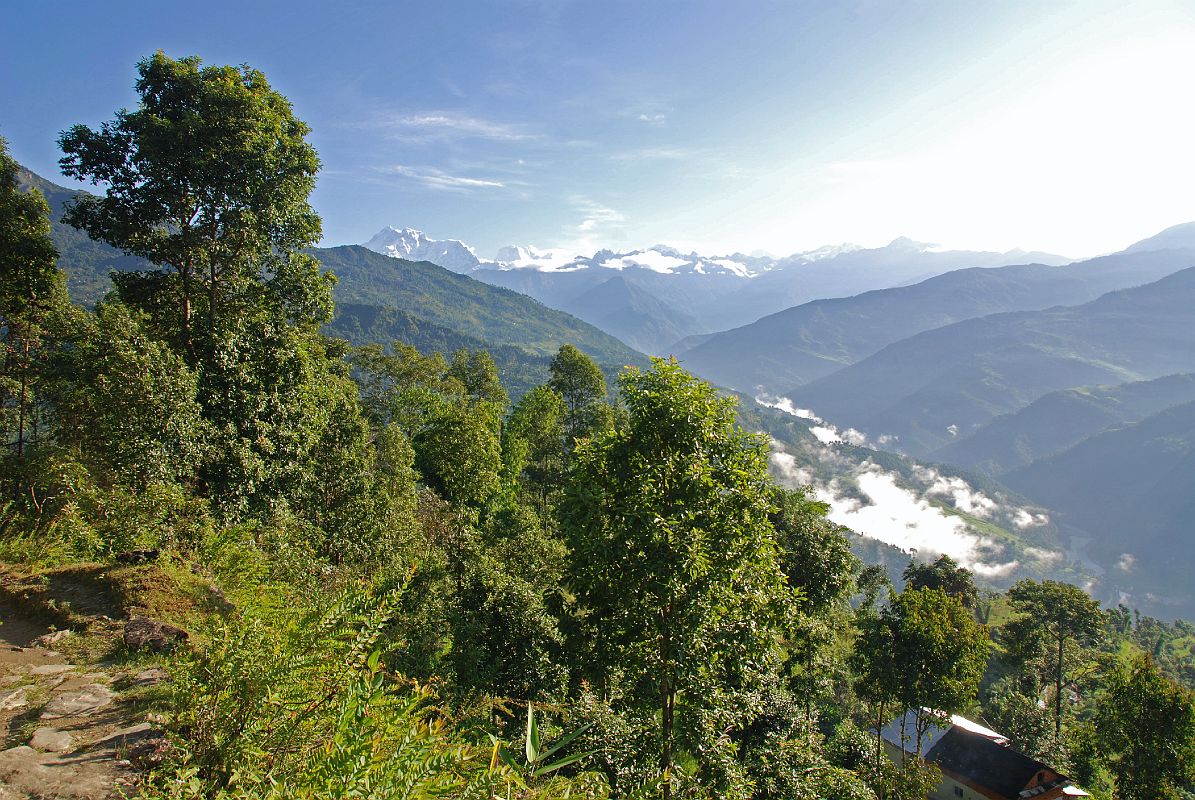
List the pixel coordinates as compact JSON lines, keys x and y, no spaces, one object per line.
{"x":382,"y":579}
{"x":1060,"y":420}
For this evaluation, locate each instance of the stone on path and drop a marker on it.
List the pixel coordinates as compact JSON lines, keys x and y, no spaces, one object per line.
{"x":44,"y":775}
{"x":149,"y":677}
{"x":49,"y":740}
{"x":54,"y":638}
{"x":83,"y":702}
{"x":14,"y":699}
{"x":50,"y":669}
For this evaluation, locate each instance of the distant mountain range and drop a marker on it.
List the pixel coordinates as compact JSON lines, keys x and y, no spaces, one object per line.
{"x":946,"y":383}
{"x":381,"y":299}
{"x":655,"y":298}
{"x":810,"y":341}
{"x":1060,"y":420}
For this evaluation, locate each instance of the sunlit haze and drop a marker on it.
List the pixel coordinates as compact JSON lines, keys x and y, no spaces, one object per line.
{"x":723,"y":127}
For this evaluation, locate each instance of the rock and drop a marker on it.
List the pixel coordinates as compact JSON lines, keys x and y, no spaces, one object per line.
{"x":158,"y":636}
{"x":53,"y":638}
{"x":141,"y":745}
{"x":30,"y":773}
{"x":137,"y":556}
{"x":50,"y":669}
{"x":14,"y":699}
{"x":81,"y":703}
{"x":49,"y":740}
{"x":149,"y":677}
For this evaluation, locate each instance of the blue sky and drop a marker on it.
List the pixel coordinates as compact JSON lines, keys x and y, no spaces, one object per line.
{"x":721,"y":126}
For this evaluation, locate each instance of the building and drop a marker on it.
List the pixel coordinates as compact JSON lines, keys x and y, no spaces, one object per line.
{"x":976,"y":762}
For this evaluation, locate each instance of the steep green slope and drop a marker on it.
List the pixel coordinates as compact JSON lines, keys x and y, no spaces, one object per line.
{"x":801,"y":344}
{"x":1060,"y":420}
{"x":949,"y":382}
{"x":1133,"y":490}
{"x":457,"y":303}
{"x":85,"y":261}
{"x":382,"y":299}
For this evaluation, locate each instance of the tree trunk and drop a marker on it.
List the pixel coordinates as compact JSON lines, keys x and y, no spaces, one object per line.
{"x":211,"y":308}
{"x":24,"y":401}
{"x":188,"y":342}
{"x":667,"y":704}
{"x":1058,"y":694}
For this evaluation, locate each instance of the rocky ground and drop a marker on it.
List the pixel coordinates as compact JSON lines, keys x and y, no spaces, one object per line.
{"x":77,"y":717}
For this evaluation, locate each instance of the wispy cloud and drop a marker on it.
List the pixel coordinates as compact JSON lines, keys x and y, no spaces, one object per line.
{"x":653,"y":154}
{"x":596,"y":215}
{"x":449,"y":125}
{"x":599,"y":224}
{"x":439,"y":179}
{"x":653,"y":119}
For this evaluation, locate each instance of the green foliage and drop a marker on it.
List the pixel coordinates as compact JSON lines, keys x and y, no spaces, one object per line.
{"x":814,"y":553}
{"x":539,"y":755}
{"x":31,"y":288}
{"x":28,"y":277}
{"x":1019,"y":716}
{"x":126,"y":403}
{"x":675,"y":505}
{"x":1145,"y":732}
{"x":452,"y":414}
{"x":533,"y":449}
{"x":923,"y":650}
{"x":944,"y":574}
{"x":506,"y":640}
{"x":580,"y":383}
{"x":1054,"y":615}
{"x":308,"y":711}
{"x":209,"y":177}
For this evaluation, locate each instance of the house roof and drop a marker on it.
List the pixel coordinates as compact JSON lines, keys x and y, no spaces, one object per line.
{"x":975,"y":753}
{"x":934,"y":732}
{"x":981,"y":760}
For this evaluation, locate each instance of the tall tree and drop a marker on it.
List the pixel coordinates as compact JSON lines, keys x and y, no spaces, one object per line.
{"x":673,"y":560}
{"x":30,"y":286}
{"x":1145,"y":732}
{"x":944,"y":574}
{"x":1054,"y":614}
{"x":533,"y":444}
{"x":923,"y":650}
{"x":579,"y":380}
{"x":208,"y":177}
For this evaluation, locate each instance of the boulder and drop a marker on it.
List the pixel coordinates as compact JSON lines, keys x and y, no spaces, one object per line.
{"x":158,"y":636}
{"x":137,"y":556}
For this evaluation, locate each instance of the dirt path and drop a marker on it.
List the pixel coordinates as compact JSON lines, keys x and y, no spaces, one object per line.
{"x":70,"y":731}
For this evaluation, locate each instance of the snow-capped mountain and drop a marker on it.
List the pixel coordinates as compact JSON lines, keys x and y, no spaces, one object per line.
{"x":662,"y":295}
{"x":413,"y":245}
{"x":660,"y":259}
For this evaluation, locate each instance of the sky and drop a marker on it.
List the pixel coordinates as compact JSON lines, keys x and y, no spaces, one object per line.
{"x":717,"y":126}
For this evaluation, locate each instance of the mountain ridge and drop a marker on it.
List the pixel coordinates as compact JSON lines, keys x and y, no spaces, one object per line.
{"x":963,"y":375}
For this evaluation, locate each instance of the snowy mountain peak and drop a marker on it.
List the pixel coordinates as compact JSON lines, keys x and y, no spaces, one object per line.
{"x":905,"y":243}
{"x":414,"y":245}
